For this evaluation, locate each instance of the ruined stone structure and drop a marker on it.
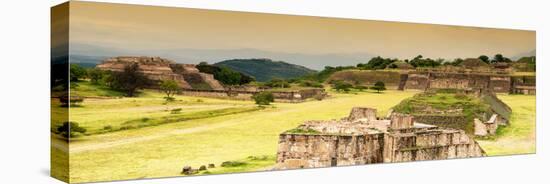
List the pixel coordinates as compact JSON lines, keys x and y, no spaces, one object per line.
{"x":361,"y":138}
{"x":195,"y":83}
{"x":498,"y":83}
{"x":158,"y":69}
{"x":291,"y":96}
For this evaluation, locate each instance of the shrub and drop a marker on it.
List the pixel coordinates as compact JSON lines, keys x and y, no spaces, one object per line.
{"x":176,"y":111}
{"x":361,"y":88}
{"x":72,"y":101}
{"x":233,"y":163}
{"x":263,"y":98}
{"x":108,"y":127}
{"x":70,"y":129}
{"x":379,"y":86}
{"x":308,"y":83}
{"x":342,"y":86}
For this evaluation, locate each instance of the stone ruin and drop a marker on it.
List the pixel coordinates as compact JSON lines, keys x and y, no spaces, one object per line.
{"x":362,"y":138}
{"x":195,"y":83}
{"x":498,"y":83}
{"x":158,"y":69}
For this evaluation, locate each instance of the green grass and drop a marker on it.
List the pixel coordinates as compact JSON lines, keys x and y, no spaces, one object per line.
{"x":87,"y":89}
{"x":251,"y":163}
{"x":163,"y":150}
{"x":520,"y":136}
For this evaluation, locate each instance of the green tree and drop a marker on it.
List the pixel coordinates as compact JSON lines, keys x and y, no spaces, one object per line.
{"x":379,"y":86}
{"x":76,"y":72}
{"x":70,"y":129}
{"x":484,"y":58}
{"x":278,"y":83}
{"x":169,"y":87}
{"x":96,"y":75}
{"x":263,"y":98}
{"x":130,"y":80}
{"x":342,"y":86}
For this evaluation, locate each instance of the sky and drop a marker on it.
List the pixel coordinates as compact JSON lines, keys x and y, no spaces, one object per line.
{"x":134,"y":27}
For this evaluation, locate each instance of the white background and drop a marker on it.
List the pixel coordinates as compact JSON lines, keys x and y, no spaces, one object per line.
{"x":24,"y":94}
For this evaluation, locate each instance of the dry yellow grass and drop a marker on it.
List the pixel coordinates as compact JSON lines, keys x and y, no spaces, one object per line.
{"x":162,"y":151}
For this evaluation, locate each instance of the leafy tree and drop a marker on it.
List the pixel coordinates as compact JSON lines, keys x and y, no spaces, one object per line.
{"x":376,"y":63}
{"x":379,"y":86}
{"x":342,"y":86}
{"x":169,"y":87}
{"x":420,"y":61}
{"x":96,"y":75}
{"x":130,"y":80}
{"x":500,"y":58}
{"x":308,"y":83}
{"x":484,"y":58}
{"x":278,"y":83}
{"x":263,"y":98}
{"x":70,"y":129}
{"x":76,"y":72}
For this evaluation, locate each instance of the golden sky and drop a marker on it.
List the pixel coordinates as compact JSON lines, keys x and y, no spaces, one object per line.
{"x":149,"y":27}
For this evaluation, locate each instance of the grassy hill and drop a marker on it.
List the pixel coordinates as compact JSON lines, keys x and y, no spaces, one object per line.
{"x":266,"y":69}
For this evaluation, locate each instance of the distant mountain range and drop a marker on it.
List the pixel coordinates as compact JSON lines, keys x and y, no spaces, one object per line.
{"x":84,"y":53}
{"x":526,"y":54}
{"x":266,"y":69}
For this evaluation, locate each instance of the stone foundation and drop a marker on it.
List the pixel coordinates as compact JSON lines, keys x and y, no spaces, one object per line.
{"x":361,"y":139}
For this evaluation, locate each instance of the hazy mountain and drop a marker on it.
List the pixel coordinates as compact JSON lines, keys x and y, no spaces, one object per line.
{"x":526,"y":54}
{"x":266,"y":69}
{"x":314,"y":61}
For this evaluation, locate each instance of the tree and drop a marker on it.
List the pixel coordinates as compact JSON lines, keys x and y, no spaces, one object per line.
{"x":278,"y":83}
{"x":169,"y":87}
{"x":484,"y":58}
{"x":76,"y":72}
{"x":130,"y":80}
{"x":263,"y":98}
{"x":96,"y":75}
{"x":342,"y":86}
{"x":70,"y":129}
{"x":379,"y":86}
{"x":500,"y":58}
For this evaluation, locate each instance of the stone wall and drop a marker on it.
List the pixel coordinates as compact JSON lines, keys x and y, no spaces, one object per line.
{"x":446,"y":121}
{"x":464,"y":81}
{"x":429,"y":145}
{"x":310,"y":151}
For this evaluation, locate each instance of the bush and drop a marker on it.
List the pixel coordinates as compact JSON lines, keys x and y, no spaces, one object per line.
{"x":108,"y":127}
{"x":70,"y":129}
{"x":361,"y":88}
{"x":233,"y":163}
{"x":263,"y":98}
{"x":176,"y":111}
{"x":72,"y":101}
{"x":278,"y":83}
{"x":379,"y":86}
{"x":311,"y":84}
{"x":342,"y":86}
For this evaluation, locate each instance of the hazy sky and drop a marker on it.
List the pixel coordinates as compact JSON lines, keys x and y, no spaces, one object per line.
{"x":147,"y":27}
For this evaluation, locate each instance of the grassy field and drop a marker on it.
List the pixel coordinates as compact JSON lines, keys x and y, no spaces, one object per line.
{"x":249,"y":137}
{"x":520,"y":136}
{"x":221,"y":130}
